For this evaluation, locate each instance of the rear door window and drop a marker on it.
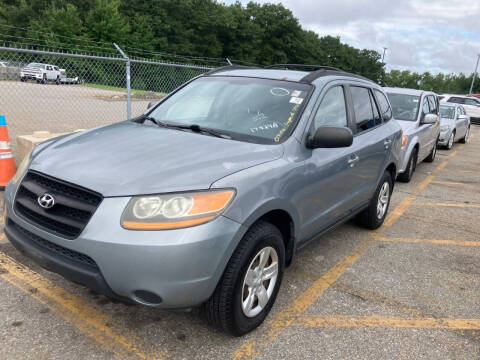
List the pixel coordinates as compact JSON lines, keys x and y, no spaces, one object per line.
{"x":432,"y":104}
{"x":385,"y":108}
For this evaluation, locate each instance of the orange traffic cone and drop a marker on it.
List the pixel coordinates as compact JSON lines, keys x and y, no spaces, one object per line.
{"x":7,"y":166}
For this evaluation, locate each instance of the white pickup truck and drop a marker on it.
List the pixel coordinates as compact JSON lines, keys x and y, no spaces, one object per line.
{"x":42,"y":73}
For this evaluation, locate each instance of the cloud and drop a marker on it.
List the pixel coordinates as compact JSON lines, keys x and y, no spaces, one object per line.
{"x":421,"y":35}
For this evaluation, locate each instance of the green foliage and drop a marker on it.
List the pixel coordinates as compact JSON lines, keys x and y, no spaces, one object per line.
{"x":254,"y":33}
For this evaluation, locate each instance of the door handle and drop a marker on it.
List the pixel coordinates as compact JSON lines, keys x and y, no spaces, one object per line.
{"x":353,"y":159}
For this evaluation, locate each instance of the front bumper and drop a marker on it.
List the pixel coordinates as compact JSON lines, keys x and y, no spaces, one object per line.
{"x":175,"y":268}
{"x":444,"y":137}
{"x":34,"y":76}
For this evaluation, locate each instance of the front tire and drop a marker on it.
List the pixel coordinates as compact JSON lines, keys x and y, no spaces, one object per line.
{"x":44,"y":81}
{"x":248,"y":288}
{"x":451,"y":140}
{"x":465,"y":138}
{"x":373,"y":216}
{"x":406,"y":176}
{"x":430,"y":158}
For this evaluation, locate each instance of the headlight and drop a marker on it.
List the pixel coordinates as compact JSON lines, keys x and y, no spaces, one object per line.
{"x":175,"y":211}
{"x":444,"y":128}
{"x":22,"y":168}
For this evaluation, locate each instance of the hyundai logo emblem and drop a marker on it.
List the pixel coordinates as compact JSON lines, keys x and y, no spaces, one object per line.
{"x":46,"y":201}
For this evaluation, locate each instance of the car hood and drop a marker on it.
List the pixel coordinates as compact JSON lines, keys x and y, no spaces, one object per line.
{"x":449,"y":122}
{"x":129,"y":158}
{"x":407,"y":126}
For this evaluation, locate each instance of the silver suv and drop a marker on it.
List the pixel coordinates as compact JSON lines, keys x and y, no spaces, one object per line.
{"x":206,"y":197}
{"x":417,"y":112}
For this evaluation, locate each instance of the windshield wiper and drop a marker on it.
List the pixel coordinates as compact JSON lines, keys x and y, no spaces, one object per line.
{"x":194,"y":127}
{"x":198,"y":129}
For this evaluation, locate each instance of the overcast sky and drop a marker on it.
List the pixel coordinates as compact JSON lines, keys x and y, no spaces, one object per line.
{"x":421,"y":35}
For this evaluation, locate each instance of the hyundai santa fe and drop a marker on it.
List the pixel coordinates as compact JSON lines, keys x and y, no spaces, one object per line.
{"x":206,"y":197}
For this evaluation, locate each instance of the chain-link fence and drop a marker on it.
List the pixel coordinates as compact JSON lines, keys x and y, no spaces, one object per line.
{"x":44,"y":90}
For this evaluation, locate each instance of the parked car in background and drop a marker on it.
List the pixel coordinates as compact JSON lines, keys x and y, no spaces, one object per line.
{"x":207,"y":196}
{"x":66,"y":80}
{"x":470,"y":103}
{"x":417,"y":112}
{"x":3,"y":64}
{"x":42,"y":73}
{"x":454,"y":125}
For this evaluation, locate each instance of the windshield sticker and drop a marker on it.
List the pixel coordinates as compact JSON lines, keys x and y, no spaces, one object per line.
{"x":259,"y":116}
{"x":279,"y":92}
{"x":287,"y":123}
{"x":264,"y":127}
{"x":415,"y":100}
{"x":296,"y":100}
{"x":296,"y":93}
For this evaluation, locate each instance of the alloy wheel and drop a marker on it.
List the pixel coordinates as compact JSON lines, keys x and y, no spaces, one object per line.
{"x":383,"y":198}
{"x":259,"y":282}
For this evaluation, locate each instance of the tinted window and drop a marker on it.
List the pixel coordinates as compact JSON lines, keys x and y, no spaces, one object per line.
{"x":471,"y":102}
{"x":456,"y":100}
{"x":332,"y":111}
{"x":49,"y":68}
{"x":432,"y":102}
{"x":425,"y":107}
{"x":384,"y":105}
{"x":362,"y":105}
{"x":405,"y":107}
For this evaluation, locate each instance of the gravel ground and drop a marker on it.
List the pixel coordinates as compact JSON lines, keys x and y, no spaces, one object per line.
{"x":413,"y":293}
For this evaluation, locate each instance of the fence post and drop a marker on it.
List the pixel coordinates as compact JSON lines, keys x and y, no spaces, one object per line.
{"x":129,"y":98}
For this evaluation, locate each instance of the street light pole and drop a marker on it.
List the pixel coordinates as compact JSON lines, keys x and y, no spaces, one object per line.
{"x":474,"y":75}
{"x":383,"y":56}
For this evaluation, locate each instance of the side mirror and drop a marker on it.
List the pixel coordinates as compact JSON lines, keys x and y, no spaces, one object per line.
{"x":386,"y":116}
{"x":330,"y":137}
{"x":430,"y":119}
{"x":151,"y":104}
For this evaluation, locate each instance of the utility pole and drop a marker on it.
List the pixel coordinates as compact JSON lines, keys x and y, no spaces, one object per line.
{"x":383,"y":56}
{"x":474,"y":75}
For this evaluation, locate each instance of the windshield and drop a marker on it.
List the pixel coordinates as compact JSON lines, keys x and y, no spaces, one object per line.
{"x":36,"y":65}
{"x":447,"y":112}
{"x":405,"y":107}
{"x":248,"y":109}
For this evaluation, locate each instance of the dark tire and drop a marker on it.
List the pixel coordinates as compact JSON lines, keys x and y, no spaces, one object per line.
{"x":430,"y":158}
{"x":406,"y":176}
{"x":44,"y":81}
{"x":57,"y":81}
{"x":465,"y":138}
{"x":450,"y":142}
{"x":224,"y":309}
{"x":22,"y":79}
{"x":370,"y":218}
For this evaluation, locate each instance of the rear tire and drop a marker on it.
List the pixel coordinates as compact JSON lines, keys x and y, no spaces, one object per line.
{"x":465,"y":138}
{"x":406,"y":176}
{"x":226,"y":308}
{"x":430,"y":158}
{"x":373,"y":216}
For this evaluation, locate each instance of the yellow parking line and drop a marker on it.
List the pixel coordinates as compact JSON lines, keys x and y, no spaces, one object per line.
{"x":427,"y":241}
{"x":84,"y":317}
{"x":448,"y":183}
{"x":2,"y":236}
{"x":453,"y":154}
{"x":353,"y":321}
{"x":460,"y":205}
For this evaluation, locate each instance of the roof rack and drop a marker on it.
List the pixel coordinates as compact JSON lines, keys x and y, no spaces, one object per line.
{"x":227,"y":68}
{"x":306,"y":66}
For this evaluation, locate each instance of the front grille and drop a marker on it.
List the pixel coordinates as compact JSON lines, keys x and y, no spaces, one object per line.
{"x":74,"y":206}
{"x":51,"y":247}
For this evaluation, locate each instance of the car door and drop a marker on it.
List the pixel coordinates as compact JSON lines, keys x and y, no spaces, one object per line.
{"x":370,"y":145}
{"x":324,"y":198}
{"x":50,"y":74}
{"x":433,"y":128}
